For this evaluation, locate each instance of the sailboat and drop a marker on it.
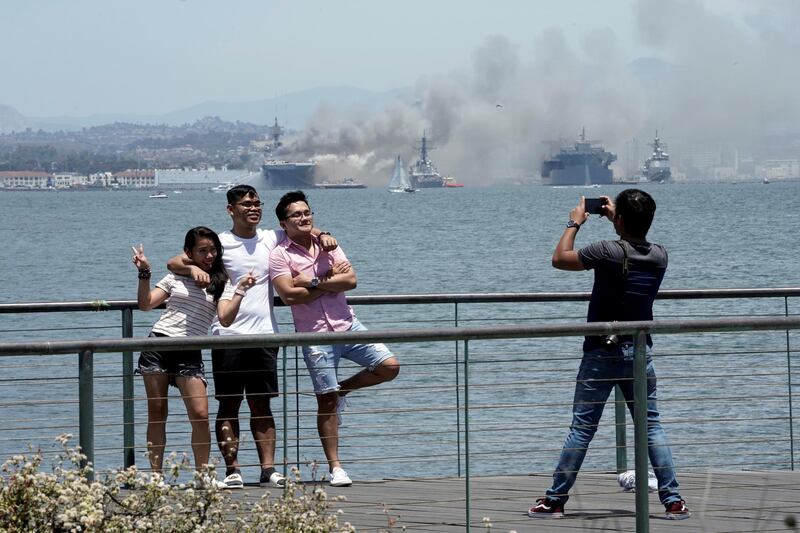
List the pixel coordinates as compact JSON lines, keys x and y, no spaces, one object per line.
{"x":400,"y":181}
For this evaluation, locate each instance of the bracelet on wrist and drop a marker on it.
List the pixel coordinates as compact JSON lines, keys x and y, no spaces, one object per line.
{"x":240,"y":292}
{"x":321,"y":233}
{"x":145,"y":273}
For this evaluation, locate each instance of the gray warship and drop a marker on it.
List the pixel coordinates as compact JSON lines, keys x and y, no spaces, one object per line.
{"x":656,"y":167}
{"x":424,"y":174}
{"x":280,"y":174}
{"x":585,"y":163}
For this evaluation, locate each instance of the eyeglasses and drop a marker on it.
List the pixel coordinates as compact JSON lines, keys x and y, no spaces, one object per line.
{"x":250,"y":205}
{"x":299,"y":214}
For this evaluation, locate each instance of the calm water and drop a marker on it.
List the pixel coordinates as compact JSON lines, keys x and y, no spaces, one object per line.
{"x":76,"y":247}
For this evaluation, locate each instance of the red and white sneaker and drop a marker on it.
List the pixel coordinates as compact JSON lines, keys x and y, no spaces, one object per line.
{"x":546,"y":508}
{"x":677,"y":511}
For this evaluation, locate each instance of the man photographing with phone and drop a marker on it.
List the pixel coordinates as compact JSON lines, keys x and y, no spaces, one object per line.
{"x":628,"y":274}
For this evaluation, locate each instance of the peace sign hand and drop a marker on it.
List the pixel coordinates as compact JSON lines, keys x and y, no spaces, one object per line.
{"x":139,"y":259}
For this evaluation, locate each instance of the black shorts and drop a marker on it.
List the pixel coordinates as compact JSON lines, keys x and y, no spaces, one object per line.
{"x":251,"y":371}
{"x":188,"y":363}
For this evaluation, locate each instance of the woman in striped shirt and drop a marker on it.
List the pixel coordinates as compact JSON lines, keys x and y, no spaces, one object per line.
{"x":189,"y":311}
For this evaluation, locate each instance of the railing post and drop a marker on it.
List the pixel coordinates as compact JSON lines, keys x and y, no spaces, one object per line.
{"x":285,"y":415}
{"x":86,"y":406}
{"x":128,"y":427}
{"x":458,"y":403}
{"x":619,"y":424}
{"x":466,"y":434}
{"x":789,"y":371}
{"x":640,"y":432}
{"x":297,"y":406}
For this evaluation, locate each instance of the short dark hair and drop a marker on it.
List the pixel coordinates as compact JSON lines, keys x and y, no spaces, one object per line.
{"x":240,"y":191}
{"x":287,"y":199}
{"x":637,"y":209}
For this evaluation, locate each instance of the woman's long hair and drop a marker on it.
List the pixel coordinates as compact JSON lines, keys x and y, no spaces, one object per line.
{"x":217,"y":272}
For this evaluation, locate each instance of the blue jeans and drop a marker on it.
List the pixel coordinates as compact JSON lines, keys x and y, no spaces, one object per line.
{"x":600,"y":370}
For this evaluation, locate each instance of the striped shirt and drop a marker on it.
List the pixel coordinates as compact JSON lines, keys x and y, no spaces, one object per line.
{"x":190,"y":309}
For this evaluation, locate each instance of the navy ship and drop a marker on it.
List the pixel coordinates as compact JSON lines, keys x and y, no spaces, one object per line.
{"x":656,"y":167}
{"x":585,"y":163}
{"x":289,"y":175}
{"x":423,"y":174}
{"x":280,"y":174}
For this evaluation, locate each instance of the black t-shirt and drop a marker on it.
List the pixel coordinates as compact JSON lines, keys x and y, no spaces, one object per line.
{"x":613,"y":298}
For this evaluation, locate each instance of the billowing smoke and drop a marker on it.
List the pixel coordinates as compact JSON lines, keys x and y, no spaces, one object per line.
{"x":732,"y":80}
{"x":711,"y":78}
{"x":487,"y":122}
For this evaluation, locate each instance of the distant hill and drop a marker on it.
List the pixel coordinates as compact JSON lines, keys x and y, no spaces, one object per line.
{"x":12,"y":120}
{"x":292,"y":110}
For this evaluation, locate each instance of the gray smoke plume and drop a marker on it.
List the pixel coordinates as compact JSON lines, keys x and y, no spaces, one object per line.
{"x":487,"y":121}
{"x":732,"y":80}
{"x":715,"y":78}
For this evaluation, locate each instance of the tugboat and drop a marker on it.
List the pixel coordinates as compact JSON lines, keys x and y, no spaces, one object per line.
{"x":586,"y":163}
{"x":450,"y":182}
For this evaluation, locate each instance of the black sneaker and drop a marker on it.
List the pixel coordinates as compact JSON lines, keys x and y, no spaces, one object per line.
{"x":677,"y":511}
{"x":546,"y":508}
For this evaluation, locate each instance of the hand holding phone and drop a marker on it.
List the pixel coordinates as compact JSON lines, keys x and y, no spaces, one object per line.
{"x":594,"y":206}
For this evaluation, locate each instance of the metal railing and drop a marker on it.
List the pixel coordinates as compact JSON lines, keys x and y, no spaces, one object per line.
{"x":462,"y":336}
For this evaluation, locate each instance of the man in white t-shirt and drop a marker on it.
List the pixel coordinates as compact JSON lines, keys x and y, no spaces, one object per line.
{"x":248,"y":372}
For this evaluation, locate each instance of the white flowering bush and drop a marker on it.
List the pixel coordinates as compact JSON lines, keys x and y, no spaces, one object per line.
{"x":65,"y":500}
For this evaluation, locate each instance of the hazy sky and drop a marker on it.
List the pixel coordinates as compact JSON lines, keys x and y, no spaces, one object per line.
{"x":80,"y":57}
{"x":490,"y":81}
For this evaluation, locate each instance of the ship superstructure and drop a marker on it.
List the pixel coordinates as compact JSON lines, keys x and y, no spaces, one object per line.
{"x":584,"y":163}
{"x":280,"y":174}
{"x":656,"y":168}
{"x":424,"y":174}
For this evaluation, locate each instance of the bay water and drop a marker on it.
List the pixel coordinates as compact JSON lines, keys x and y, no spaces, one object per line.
{"x":75,"y":246}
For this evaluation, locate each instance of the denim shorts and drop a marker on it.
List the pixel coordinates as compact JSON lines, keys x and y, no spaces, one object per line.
{"x":187,"y":363}
{"x":323,"y":360}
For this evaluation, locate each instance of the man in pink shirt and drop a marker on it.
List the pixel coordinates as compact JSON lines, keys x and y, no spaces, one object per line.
{"x":313,"y":282}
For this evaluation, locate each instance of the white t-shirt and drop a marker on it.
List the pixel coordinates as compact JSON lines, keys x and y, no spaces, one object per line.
{"x":240,"y":256}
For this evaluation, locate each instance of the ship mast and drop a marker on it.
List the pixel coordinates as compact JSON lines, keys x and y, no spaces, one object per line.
{"x":275,"y":131}
{"x":423,"y":149}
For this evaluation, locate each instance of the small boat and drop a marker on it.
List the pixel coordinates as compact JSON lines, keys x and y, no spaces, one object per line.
{"x":159,"y":194}
{"x":347,"y":183}
{"x":449,"y":181}
{"x":766,"y":181}
{"x":222,"y":187}
{"x":400,"y":182}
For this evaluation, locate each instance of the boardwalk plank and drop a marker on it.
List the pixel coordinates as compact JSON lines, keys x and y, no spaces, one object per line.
{"x":720,"y":501}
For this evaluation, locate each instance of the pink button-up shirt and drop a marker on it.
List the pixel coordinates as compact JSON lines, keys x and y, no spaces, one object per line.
{"x":330,"y":311}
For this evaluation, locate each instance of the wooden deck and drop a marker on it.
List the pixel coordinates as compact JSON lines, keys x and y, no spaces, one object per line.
{"x":719,"y":501}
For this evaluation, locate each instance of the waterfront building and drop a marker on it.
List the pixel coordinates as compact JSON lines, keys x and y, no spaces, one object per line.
{"x":135,"y":179}
{"x":26,"y":179}
{"x":778,"y":169}
{"x":202,"y":179}
{"x":66,"y":180}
